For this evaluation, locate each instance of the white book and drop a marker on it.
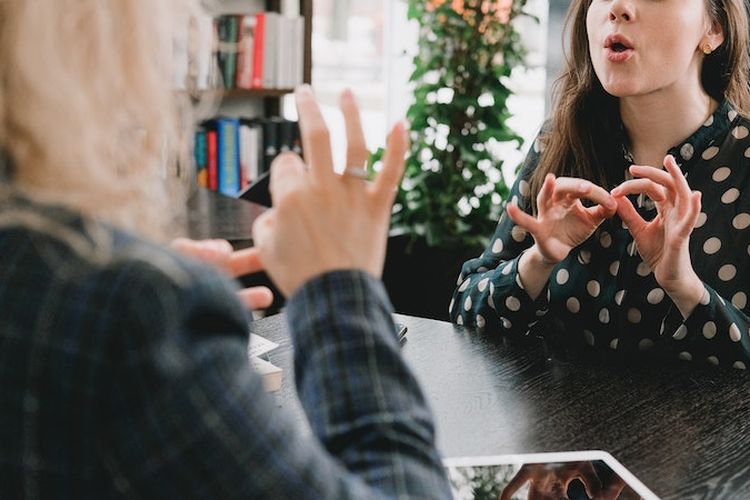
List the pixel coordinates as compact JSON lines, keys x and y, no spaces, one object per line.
{"x":270,"y":50}
{"x":299,"y":45}
{"x":202,"y":31}
{"x":258,"y":346}
{"x":270,"y":373}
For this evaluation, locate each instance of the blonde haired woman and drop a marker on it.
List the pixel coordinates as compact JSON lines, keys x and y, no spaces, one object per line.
{"x":123,"y":369}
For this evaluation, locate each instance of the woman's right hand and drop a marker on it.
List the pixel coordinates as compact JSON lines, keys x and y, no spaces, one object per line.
{"x":562,"y":222}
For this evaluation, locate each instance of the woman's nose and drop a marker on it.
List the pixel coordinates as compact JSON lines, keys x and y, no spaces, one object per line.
{"x":621,"y":10}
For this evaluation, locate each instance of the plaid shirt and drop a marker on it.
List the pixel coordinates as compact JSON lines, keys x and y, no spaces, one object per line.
{"x":123,"y":374}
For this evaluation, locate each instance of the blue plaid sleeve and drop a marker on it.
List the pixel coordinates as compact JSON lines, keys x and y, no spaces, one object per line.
{"x":360,"y":398}
{"x":188,"y":417}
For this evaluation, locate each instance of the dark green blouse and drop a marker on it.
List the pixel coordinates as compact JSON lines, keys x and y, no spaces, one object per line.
{"x":604,"y":297}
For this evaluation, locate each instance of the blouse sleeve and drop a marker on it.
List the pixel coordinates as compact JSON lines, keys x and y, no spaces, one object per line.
{"x":489,"y":292}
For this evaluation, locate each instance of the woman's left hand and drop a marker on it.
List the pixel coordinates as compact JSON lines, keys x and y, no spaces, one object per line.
{"x":663,"y":243}
{"x":235,"y":263}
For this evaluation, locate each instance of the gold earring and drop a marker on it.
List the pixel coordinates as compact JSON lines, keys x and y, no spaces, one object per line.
{"x":706,"y":48}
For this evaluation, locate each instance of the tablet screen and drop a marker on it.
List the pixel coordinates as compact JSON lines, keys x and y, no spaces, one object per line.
{"x":580,"y":475}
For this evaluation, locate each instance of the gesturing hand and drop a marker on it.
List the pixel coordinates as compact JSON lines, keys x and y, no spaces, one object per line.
{"x":235,"y":263}
{"x":663,"y":243}
{"x":549,"y":481}
{"x":562,"y":222}
{"x":321,"y":221}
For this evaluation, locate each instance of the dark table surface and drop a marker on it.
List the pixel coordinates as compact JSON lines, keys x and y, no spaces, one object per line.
{"x":684,"y":432}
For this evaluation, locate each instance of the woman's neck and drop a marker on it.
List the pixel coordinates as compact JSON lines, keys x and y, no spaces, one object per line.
{"x":658,"y":121}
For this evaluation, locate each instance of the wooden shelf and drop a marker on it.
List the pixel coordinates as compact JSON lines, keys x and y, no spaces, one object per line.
{"x":238,"y":93}
{"x":235,"y":93}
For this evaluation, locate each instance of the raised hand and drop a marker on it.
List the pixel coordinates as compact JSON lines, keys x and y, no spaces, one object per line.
{"x":321,"y":221}
{"x":663,"y":243}
{"x":235,"y":263}
{"x":562,"y":222}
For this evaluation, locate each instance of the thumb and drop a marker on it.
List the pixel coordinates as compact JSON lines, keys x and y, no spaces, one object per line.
{"x":629,"y":215}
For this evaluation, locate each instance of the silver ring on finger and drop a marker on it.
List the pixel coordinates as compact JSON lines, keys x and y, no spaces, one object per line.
{"x":358,"y":172}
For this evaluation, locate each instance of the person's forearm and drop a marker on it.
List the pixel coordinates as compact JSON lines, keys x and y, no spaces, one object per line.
{"x":361,"y":400}
{"x":534,"y":271}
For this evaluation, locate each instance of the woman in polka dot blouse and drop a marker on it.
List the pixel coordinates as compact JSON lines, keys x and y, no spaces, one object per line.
{"x":602,"y":254}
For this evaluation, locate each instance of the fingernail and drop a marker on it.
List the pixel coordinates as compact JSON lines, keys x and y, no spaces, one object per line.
{"x":303,"y":90}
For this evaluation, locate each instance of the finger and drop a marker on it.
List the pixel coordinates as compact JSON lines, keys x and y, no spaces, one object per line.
{"x":657,"y":175}
{"x":257,"y":297}
{"x":316,"y":141}
{"x":261,"y":230}
{"x":515,"y":484}
{"x":546,"y":193}
{"x":590,"y":480}
{"x":599,"y":213}
{"x":629,"y":215}
{"x":637,"y":186}
{"x":287,"y":174}
{"x":688,"y":223}
{"x":356,"y":147}
{"x":521,"y":218}
{"x":681,"y":185}
{"x":243,"y":262}
{"x":389,"y":177}
{"x":214,"y":251}
{"x":583,"y":189}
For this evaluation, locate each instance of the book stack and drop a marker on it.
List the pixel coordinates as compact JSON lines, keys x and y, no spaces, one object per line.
{"x":257,"y":348}
{"x":243,"y":51}
{"x":231,"y":153}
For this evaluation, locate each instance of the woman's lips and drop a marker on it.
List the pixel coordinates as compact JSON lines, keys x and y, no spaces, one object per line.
{"x":618,"y":56}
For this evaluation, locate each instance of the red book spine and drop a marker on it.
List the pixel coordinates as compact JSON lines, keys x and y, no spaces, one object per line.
{"x":258,"y":47}
{"x":213,"y":161}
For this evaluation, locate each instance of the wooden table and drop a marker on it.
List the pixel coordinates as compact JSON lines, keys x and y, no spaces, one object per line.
{"x":684,"y":431}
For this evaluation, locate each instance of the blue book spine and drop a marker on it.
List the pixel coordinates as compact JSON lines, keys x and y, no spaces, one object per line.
{"x":228,"y":131}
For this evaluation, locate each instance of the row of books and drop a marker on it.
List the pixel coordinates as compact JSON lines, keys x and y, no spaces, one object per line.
{"x":230,"y":153}
{"x":263,"y":50}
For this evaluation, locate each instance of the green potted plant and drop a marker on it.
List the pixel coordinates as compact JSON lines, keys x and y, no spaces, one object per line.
{"x":453,"y":190}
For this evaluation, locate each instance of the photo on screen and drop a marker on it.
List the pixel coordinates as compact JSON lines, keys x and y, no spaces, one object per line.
{"x":570,"y":475}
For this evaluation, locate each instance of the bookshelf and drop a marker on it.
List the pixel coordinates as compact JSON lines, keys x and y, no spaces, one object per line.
{"x":250,"y":54}
{"x":244,"y":102}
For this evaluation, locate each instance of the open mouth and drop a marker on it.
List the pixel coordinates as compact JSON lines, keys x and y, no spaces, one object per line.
{"x":618,"y":43}
{"x":619,"y":47}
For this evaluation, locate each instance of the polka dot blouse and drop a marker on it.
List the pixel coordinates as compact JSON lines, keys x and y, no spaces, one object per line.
{"x":604,"y":297}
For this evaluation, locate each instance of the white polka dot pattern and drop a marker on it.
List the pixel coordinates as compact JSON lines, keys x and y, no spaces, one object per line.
{"x":513,"y":304}
{"x":741,"y":221}
{"x":734,"y":333}
{"x":497,"y":246}
{"x":681,"y":333}
{"x":727,"y":272}
{"x":573,"y":305}
{"x":712,"y":245}
{"x":721,"y":174}
{"x":730,"y":196}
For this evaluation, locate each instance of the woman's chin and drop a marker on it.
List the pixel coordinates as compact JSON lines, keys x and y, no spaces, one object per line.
{"x":621,"y":89}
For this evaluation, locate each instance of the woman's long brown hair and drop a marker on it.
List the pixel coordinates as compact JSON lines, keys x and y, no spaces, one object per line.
{"x":583,"y":139}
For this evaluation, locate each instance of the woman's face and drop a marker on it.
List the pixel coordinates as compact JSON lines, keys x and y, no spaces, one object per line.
{"x":639,"y":47}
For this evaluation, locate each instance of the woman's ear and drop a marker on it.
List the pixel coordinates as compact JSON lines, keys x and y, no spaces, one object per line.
{"x":714,"y":37}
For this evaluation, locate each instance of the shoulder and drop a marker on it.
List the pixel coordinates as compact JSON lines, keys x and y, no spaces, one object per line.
{"x":92,"y":279}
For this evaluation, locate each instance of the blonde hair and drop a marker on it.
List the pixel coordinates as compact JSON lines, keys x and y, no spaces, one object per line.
{"x":87,"y":113}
